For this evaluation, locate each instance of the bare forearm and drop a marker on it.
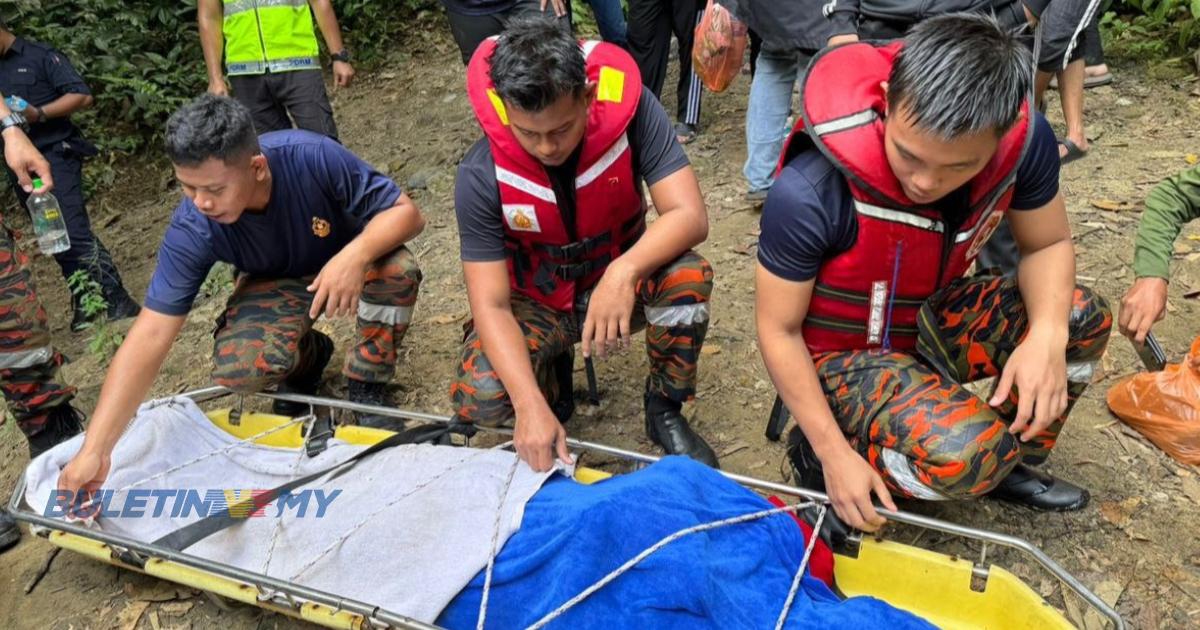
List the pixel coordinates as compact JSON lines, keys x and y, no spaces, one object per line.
{"x":327,"y":22}
{"x":507,"y":352}
{"x":66,"y":105}
{"x":129,"y":379}
{"x":668,"y":238}
{"x":212,"y":40}
{"x":1046,"y":278}
{"x":795,"y":376}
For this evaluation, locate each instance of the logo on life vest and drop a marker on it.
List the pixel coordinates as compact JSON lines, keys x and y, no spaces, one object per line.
{"x":521,"y":217}
{"x":985,"y":232}
{"x":320,"y":227}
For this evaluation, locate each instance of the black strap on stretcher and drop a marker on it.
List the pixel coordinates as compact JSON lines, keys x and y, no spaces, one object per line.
{"x":193,"y":533}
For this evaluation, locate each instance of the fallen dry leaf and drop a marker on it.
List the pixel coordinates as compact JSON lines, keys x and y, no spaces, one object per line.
{"x":128,"y":618}
{"x":1112,"y":205}
{"x":1191,"y":158}
{"x":710,"y":348}
{"x":1119,"y":513}
{"x":176,"y":609}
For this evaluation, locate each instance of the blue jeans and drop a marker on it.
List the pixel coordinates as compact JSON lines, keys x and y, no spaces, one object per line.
{"x":610,"y":18}
{"x":766,"y":116}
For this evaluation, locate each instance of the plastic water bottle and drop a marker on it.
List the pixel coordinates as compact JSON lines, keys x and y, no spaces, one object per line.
{"x":48,"y":223}
{"x":16,"y":103}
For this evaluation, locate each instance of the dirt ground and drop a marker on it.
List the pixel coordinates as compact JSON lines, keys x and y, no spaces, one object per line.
{"x":1134,"y":544}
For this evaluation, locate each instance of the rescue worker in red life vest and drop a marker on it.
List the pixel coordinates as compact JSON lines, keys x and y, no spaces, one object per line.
{"x":907,"y":157}
{"x":555,"y":245}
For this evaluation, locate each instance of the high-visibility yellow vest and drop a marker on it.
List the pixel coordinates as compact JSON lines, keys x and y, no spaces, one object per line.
{"x":268,"y":36}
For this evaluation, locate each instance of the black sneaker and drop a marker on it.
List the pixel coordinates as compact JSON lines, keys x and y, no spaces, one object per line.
{"x":666,"y":426}
{"x":9,"y":532}
{"x":315,"y":350}
{"x":376,"y":395}
{"x":62,"y":423}
{"x":1037,"y":489}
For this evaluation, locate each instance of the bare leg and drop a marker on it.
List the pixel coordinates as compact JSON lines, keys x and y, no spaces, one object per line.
{"x":1070,"y":82}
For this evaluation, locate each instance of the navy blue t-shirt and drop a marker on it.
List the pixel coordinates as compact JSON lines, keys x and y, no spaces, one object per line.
{"x":809,"y":214}
{"x":41,"y":75}
{"x":322,"y":196}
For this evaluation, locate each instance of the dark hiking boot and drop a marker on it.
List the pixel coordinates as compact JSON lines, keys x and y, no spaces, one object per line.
{"x":315,"y":350}
{"x":376,"y":395}
{"x":810,"y":476}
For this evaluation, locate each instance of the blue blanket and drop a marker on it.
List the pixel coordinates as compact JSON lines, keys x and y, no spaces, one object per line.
{"x":731,"y":577}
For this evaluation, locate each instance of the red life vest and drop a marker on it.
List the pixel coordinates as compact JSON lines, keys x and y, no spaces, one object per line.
{"x":869,"y":296}
{"x":544,"y":263}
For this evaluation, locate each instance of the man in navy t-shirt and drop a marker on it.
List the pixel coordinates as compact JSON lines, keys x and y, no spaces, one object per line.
{"x":311,"y":229}
{"x":909,"y":156}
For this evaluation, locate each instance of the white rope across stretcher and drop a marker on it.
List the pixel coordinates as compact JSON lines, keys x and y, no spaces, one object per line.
{"x":487,"y":584}
{"x":634,"y":561}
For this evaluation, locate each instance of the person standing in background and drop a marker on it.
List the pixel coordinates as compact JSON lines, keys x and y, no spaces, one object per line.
{"x":272,"y":60}
{"x":651,"y":24}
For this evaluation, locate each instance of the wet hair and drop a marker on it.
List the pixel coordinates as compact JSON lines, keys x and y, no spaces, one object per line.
{"x":960,"y":73}
{"x":537,"y":62}
{"x":210,"y":127}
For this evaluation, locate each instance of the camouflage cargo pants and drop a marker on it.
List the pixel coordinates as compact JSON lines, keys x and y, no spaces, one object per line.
{"x":673,"y":309}
{"x":258,"y":337}
{"x":909,"y":415}
{"x":28,"y":363}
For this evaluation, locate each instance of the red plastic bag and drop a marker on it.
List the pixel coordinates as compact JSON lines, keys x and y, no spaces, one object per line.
{"x":1164,"y":406}
{"x":718,"y":47}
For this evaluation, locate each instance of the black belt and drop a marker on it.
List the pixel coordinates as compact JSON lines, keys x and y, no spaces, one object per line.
{"x":193,"y":533}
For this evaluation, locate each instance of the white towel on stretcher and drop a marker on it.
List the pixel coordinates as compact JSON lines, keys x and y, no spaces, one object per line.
{"x":420,"y":518}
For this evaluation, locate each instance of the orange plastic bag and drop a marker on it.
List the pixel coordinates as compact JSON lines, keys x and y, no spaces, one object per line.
{"x":1164,"y":406}
{"x":718,"y":47}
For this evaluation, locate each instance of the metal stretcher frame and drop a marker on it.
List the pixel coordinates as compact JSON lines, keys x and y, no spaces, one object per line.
{"x":317,"y":605}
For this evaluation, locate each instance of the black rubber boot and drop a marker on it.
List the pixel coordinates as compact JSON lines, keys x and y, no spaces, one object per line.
{"x":666,"y":426}
{"x":1037,"y":489}
{"x":9,"y":532}
{"x":62,"y":423}
{"x":315,"y":350}
{"x":375,"y":394}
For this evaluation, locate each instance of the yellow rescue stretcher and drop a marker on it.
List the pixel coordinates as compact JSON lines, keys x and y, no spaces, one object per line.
{"x":970,"y":594}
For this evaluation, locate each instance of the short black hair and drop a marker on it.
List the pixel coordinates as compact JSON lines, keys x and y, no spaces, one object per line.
{"x":537,"y":62}
{"x":210,"y":127}
{"x":961,"y":73}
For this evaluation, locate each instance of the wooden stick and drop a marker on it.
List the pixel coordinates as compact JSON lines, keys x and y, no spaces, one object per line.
{"x":43,"y":570}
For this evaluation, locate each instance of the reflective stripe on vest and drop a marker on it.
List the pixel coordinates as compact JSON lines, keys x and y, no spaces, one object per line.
{"x":268,"y":36}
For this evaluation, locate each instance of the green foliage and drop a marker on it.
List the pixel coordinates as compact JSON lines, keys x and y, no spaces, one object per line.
{"x":142,"y":58}
{"x":105,"y":340}
{"x":1147,"y":29}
